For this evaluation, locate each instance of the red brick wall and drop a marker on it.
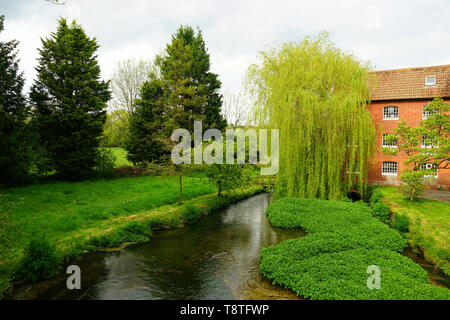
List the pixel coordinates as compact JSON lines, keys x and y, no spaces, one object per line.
{"x":411,"y":112}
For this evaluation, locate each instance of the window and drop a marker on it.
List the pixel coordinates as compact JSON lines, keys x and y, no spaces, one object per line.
{"x":429,"y":166}
{"x":390,"y":113}
{"x":427,"y":143}
{"x":355,"y":168}
{"x":389,"y":169}
{"x":427,"y":113}
{"x":430,"y":81}
{"x":388,"y":145}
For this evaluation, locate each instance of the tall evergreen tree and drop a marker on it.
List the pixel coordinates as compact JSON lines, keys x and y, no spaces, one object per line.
{"x":189,"y":47}
{"x":15,"y":152}
{"x":143,"y":143}
{"x":70,"y":100}
{"x":182,"y":91}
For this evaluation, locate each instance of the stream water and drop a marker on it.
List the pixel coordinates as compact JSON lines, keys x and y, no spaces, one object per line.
{"x":215,"y":258}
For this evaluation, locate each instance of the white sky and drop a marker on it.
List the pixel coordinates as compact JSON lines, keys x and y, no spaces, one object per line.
{"x":389,"y":34}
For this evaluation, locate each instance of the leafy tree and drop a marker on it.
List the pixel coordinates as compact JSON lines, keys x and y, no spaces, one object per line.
{"x":115,"y":130}
{"x":229,"y":177}
{"x":126,"y":84}
{"x":70,"y":100}
{"x":427,"y":144}
{"x":316,"y":95}
{"x":15,"y":138}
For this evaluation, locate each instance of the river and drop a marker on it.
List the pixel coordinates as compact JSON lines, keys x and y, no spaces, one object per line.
{"x":215,"y":258}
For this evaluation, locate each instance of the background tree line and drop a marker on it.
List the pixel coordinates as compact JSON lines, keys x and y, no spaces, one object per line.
{"x":57,"y":131}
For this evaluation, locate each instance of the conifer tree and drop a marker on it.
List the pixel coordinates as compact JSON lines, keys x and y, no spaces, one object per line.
{"x":143,"y":142}
{"x":15,"y":142}
{"x":70,"y":100}
{"x":189,"y":48}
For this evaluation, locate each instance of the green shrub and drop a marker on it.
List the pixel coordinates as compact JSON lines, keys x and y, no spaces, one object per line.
{"x":382,"y":212}
{"x":342,"y":274}
{"x":401,"y":223}
{"x":39,"y":260}
{"x":331,"y":262}
{"x":376,"y":196}
{"x":106,"y":162}
{"x":191,"y":213}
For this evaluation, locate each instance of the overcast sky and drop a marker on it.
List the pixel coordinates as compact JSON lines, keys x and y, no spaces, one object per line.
{"x":389,"y":34}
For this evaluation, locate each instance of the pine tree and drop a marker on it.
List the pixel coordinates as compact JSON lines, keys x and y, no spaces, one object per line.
{"x":143,"y":142}
{"x":190,"y":48}
{"x":15,"y":142}
{"x":70,"y":100}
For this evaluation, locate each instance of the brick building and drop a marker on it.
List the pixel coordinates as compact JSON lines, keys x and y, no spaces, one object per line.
{"x":398,"y":95}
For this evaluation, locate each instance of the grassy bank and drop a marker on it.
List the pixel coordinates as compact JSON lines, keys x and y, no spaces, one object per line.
{"x":429,"y":225}
{"x":121,"y":156}
{"x":87,"y":216}
{"x":331,"y":262}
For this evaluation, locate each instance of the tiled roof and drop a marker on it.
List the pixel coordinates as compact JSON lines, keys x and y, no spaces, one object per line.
{"x":401,"y":84}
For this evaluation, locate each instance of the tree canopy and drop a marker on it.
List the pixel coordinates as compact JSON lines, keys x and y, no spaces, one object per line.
{"x":16,"y":142}
{"x":316,"y":95}
{"x":70,"y":100}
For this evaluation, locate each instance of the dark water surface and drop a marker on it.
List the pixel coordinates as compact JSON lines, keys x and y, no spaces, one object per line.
{"x":215,"y":258}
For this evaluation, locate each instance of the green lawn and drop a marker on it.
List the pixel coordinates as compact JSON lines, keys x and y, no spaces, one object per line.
{"x":121,"y":156}
{"x":429,"y":224}
{"x":65,"y":211}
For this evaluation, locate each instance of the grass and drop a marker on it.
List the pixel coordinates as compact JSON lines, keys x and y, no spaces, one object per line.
{"x":69,"y":213}
{"x":121,"y":156}
{"x":429,"y":225}
{"x":331,"y":262}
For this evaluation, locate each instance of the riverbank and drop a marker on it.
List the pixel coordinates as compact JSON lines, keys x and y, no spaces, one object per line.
{"x":122,"y":218}
{"x":429,"y":225}
{"x":217,"y":257}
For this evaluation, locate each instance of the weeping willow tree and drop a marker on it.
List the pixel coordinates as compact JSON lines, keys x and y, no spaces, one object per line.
{"x":316,"y":95}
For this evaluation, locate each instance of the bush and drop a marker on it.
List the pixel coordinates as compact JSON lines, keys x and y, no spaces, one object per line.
{"x":342,"y":275}
{"x":191,"y":213}
{"x":376,"y":196}
{"x":106,"y":162}
{"x":39,"y":261}
{"x":382,"y":212}
{"x":331,"y":262}
{"x":401,"y":223}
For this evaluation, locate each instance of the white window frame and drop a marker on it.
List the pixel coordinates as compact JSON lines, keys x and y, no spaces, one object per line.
{"x":355,"y":169}
{"x":391,"y":165}
{"x":385,"y":145}
{"x":428,"y":175}
{"x":385,"y":113}
{"x":426,"y":146}
{"x":429,"y":84}
{"x":426,"y":114}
